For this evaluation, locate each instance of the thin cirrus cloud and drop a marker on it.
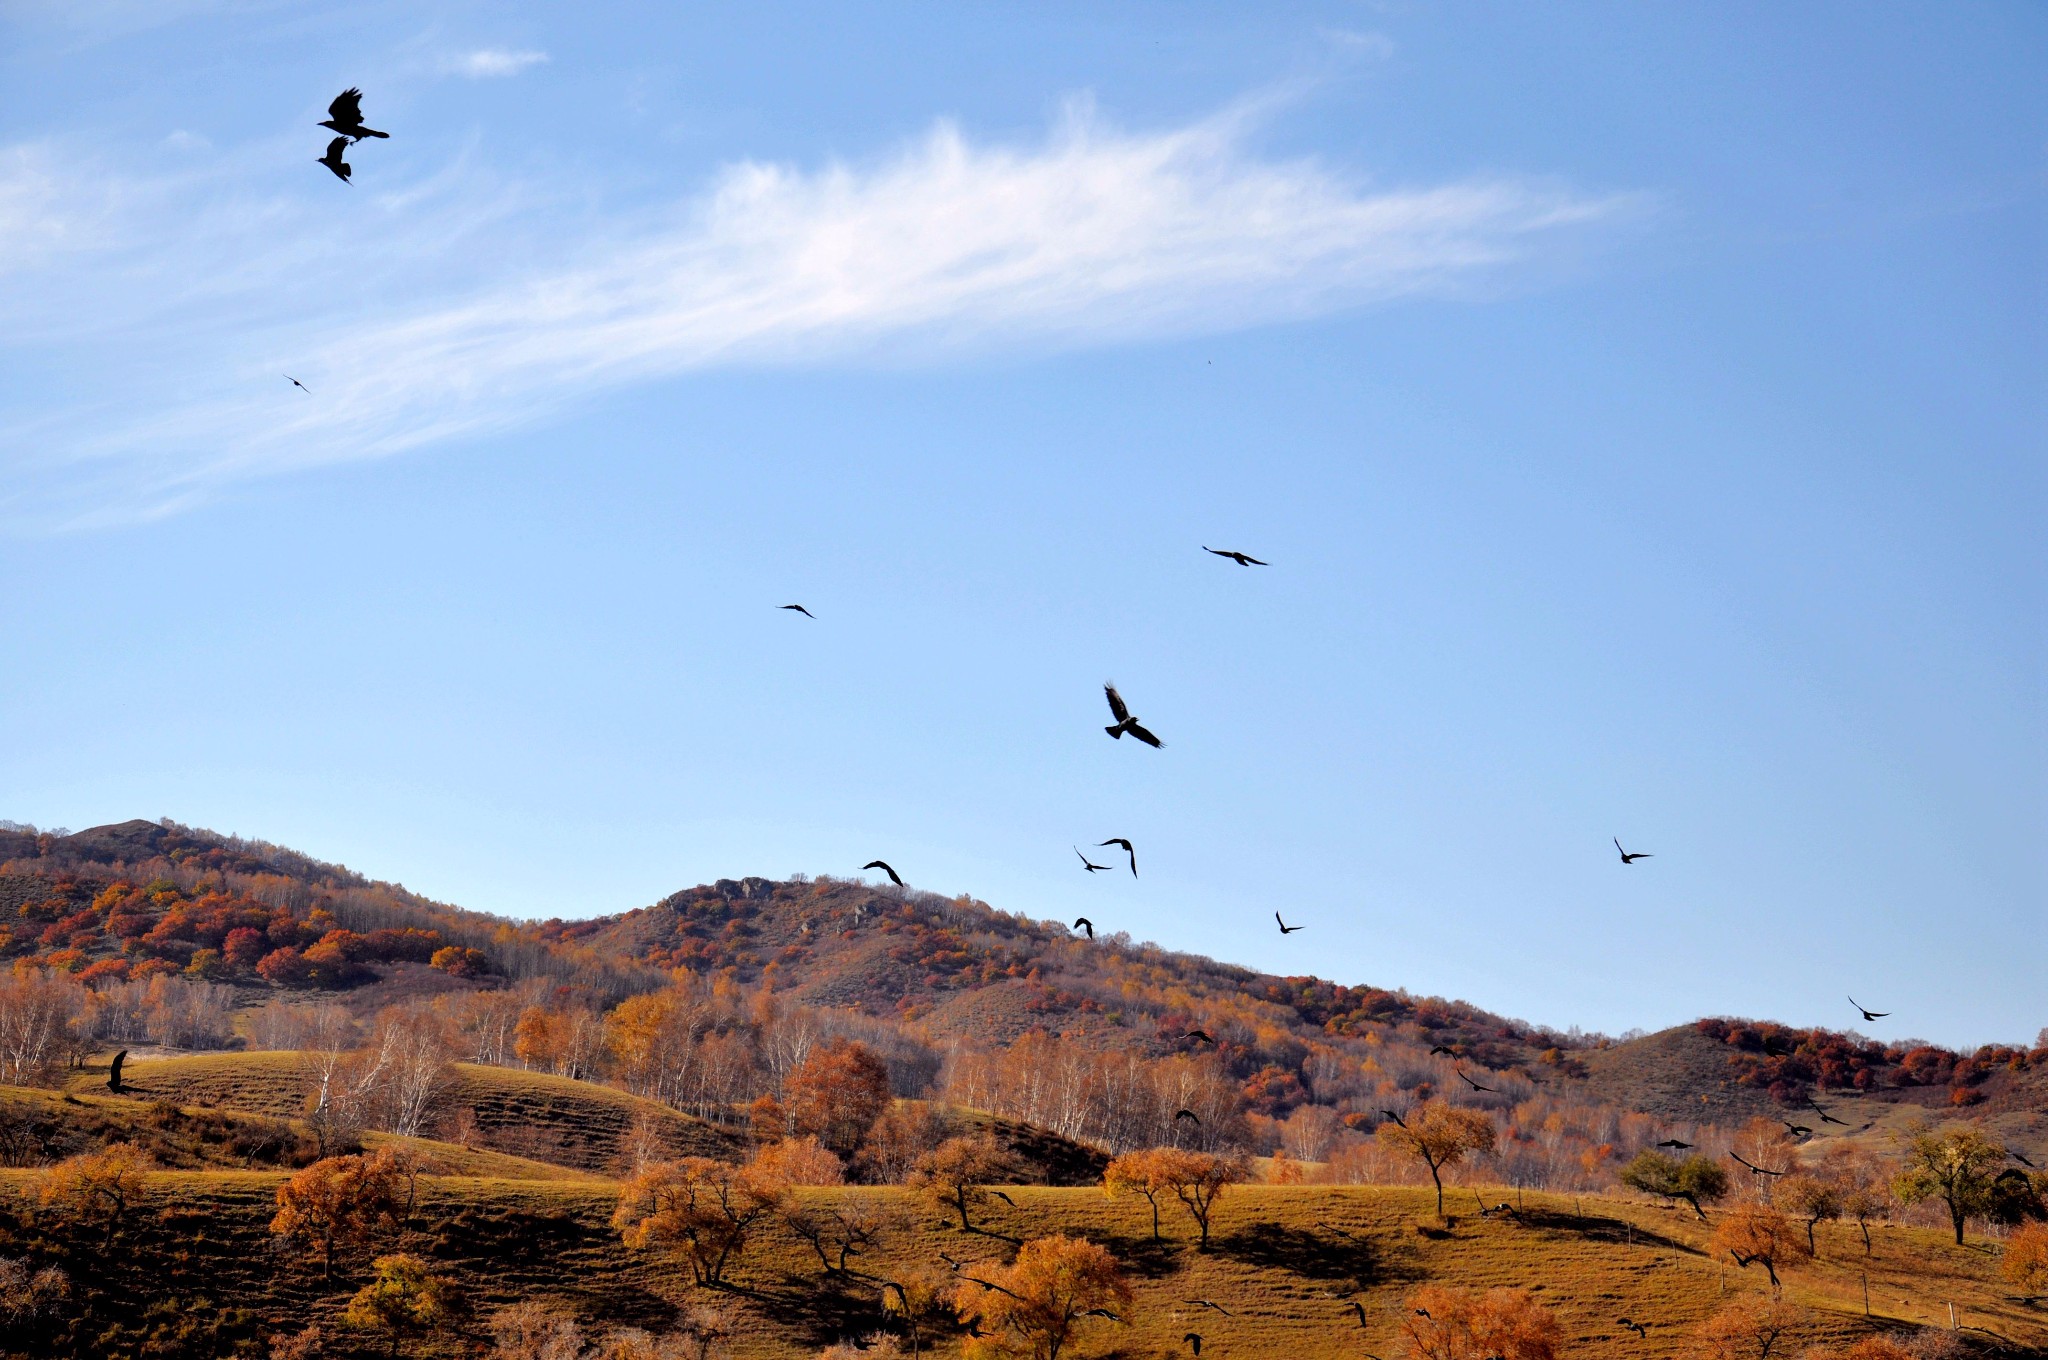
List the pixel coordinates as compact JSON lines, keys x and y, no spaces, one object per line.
{"x":950,"y":248}
{"x":494,"y":61}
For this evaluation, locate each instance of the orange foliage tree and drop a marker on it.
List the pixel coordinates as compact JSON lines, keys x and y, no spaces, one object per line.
{"x":403,"y":1300}
{"x":704,"y":1211}
{"x":1138,"y":1173}
{"x":1036,"y":1304}
{"x":836,"y":1093}
{"x":1757,"y":1235}
{"x":800,"y":1161}
{"x":1197,"y":1180}
{"x":1439,"y":1135}
{"x":1447,"y":1323}
{"x":955,"y":1174}
{"x":97,"y":1187}
{"x":2026,"y":1258}
{"x":1747,"y":1328}
{"x":340,"y":1201}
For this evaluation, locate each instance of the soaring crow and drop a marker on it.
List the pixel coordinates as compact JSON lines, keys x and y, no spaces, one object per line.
{"x":1200,"y":1036}
{"x":1241,"y":559}
{"x":1188,"y":1114}
{"x":345,"y":115}
{"x":799,"y":609}
{"x":333,"y":161}
{"x":883,"y":866}
{"x":1125,"y":846}
{"x":1638,"y":1328}
{"x":1286,"y":929}
{"x":1090,"y":865}
{"x":1124,"y":721}
{"x":1675,"y":1144}
{"x":1194,"y":1342}
{"x":1204,"y":1303}
{"x":1757,"y":1169}
{"x":1626,"y":856}
{"x":1441,"y":1049}
{"x":1083,"y":923}
{"x":296,"y":383}
{"x":1868,"y":1015}
{"x":1473,"y":1084}
{"x":114,"y":1072}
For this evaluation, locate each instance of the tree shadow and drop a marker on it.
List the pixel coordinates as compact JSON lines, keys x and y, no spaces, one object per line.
{"x":824,"y":1310}
{"x":1597,"y":1228}
{"x":1317,"y":1256}
{"x":1144,"y":1256}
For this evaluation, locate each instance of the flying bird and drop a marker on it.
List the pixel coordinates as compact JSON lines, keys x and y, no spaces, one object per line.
{"x":1825,"y":1117}
{"x":1090,"y":865}
{"x":1359,"y":1309}
{"x":114,"y":1072}
{"x":1638,"y":1328}
{"x":1441,"y":1049}
{"x":1675,"y":1144}
{"x":1286,"y":929}
{"x":1124,"y":721}
{"x":345,"y":115}
{"x":333,"y":161}
{"x":1240,"y":558}
{"x":1754,"y":1167}
{"x":1868,"y":1014}
{"x":1193,"y":1341}
{"x":2014,"y":1153}
{"x":1796,"y":1130}
{"x":1083,"y":923}
{"x":1200,"y":1036}
{"x":1423,"y":1312}
{"x":884,"y":867}
{"x":799,"y":609}
{"x":1628,"y":857}
{"x":1473,"y":1084}
{"x":1205,"y":1303}
{"x":1102,"y":1313}
{"x":1125,"y":845}
{"x":1004,"y":1198}
{"x":1396,"y":1118}
{"x":296,"y":383}
{"x":1188,"y":1114}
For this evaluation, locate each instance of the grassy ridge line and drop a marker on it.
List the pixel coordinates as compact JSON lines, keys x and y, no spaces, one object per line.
{"x":1286,"y":1280}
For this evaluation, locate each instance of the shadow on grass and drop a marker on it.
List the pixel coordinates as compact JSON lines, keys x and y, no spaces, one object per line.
{"x":1315,"y":1255}
{"x":1145,"y":1257}
{"x":1596,"y":1228}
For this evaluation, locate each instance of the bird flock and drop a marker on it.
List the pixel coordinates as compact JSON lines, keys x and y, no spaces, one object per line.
{"x":345,"y":119}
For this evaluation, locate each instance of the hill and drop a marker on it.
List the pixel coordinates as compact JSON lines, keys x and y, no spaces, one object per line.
{"x":193,"y":1273}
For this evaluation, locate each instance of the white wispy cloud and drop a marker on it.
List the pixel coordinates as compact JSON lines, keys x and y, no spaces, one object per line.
{"x":1092,"y":236}
{"x":494,"y":61}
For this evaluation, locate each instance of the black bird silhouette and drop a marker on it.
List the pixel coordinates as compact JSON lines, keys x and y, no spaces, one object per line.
{"x":1240,"y":558}
{"x":1102,"y":1313}
{"x":1359,"y":1309}
{"x":1396,"y":1118}
{"x":1868,"y":1014}
{"x":1090,"y":865}
{"x":1083,"y":923}
{"x":1441,"y":1049}
{"x":884,"y":867}
{"x":345,"y":115}
{"x":1004,"y":1198}
{"x":1473,"y":1084}
{"x":1188,"y":1114}
{"x":114,"y":1072}
{"x":1124,"y":721}
{"x":1630,"y":858}
{"x":1796,"y":1130}
{"x":952,"y":1263}
{"x":1205,"y":1303}
{"x":1754,"y":1167}
{"x":799,"y":609}
{"x":296,"y":383}
{"x":1675,"y":1144}
{"x":1286,"y":929}
{"x":1825,"y":1117}
{"x":1193,"y":1341}
{"x":1423,"y":1312}
{"x":1638,"y":1328}
{"x":333,"y":161}
{"x":1126,"y":846}
{"x":1200,"y":1036}
{"x":2013,"y":1153}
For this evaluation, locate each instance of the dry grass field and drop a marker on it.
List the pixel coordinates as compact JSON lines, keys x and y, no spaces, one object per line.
{"x":1286,"y":1262}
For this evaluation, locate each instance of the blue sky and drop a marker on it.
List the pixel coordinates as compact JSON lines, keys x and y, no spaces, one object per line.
{"x":1641,"y":408}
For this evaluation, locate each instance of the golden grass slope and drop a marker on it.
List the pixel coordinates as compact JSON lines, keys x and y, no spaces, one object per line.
{"x":1286,"y":1263}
